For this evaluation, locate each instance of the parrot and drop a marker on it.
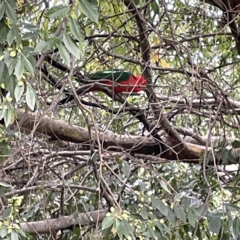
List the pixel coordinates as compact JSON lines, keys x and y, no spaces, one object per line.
{"x":116,"y":80}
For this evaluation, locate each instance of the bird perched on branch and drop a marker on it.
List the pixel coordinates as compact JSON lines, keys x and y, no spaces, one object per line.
{"x":230,"y":9}
{"x":116,"y":80}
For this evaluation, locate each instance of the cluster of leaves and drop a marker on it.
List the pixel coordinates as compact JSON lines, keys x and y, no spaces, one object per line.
{"x":9,"y":223}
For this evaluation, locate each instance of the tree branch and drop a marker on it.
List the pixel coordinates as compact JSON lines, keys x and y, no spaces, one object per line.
{"x":49,"y":225}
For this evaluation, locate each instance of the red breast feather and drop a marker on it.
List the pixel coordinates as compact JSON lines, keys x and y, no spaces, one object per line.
{"x":133,"y":84}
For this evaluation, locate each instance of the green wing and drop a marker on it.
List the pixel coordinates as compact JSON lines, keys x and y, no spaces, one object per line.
{"x":116,"y":75}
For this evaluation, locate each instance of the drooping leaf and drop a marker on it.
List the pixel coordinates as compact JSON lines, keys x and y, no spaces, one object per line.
{"x":41,"y":46}
{"x":214,"y":223}
{"x":7,"y":212}
{"x":3,"y":184}
{"x":64,"y":54}
{"x":164,"y":186}
{"x":3,"y":231}
{"x":28,"y":64}
{"x":157,"y":203}
{"x":3,"y":71}
{"x":19,"y":69}
{"x":18,"y":92}
{"x":71,"y":46}
{"x":118,"y":226}
{"x":59,"y":11}
{"x":90,"y":9}
{"x":8,"y":115}
{"x":14,"y":235}
{"x":2,"y":9}
{"x":180,"y":212}
{"x":236,"y":226}
{"x":4,"y":29}
{"x":107,"y":222}
{"x":11,"y":36}
{"x":76,"y":30}
{"x":10,"y":12}
{"x":30,"y":97}
{"x":192,"y":218}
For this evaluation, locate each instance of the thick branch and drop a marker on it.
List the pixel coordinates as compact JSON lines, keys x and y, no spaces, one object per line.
{"x":49,"y":225}
{"x":129,"y":143}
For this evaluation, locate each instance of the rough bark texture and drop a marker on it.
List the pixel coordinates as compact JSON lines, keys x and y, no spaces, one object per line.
{"x":51,"y":225}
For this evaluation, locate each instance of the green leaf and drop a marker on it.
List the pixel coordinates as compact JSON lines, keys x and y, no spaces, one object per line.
{"x":8,"y":115}
{"x":236,"y":144}
{"x":59,"y":11}
{"x":192,"y":218}
{"x":64,"y":54}
{"x":14,"y":235}
{"x":3,"y":71}
{"x":171,"y":216}
{"x":20,"y":231}
{"x":71,"y":46}
{"x":30,"y":97}
{"x":19,"y":69}
{"x":11,"y":13}
{"x":164,"y":186}
{"x":7,"y":212}
{"x":52,"y":42}
{"x":41,"y":46}
{"x":28,"y":64}
{"x":180,"y":213}
{"x":11,"y":36}
{"x":3,"y":184}
{"x":3,"y":31}
{"x":236,"y":227}
{"x":214,"y":223}
{"x":75,"y":30}
{"x":127,"y":229}
{"x":30,"y":27}
{"x":18,"y":92}
{"x":90,"y":9}
{"x":155,"y":7}
{"x":118,"y":227}
{"x":2,"y":9}
{"x":152,"y":233}
{"x":3,"y":231}
{"x":107,"y":222}
{"x":159,"y":205}
{"x":144,"y":213}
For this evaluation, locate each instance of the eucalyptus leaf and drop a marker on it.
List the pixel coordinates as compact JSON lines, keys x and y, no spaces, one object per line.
{"x":90,"y":9}
{"x":59,"y":11}
{"x":28,"y":65}
{"x":19,"y":69}
{"x":75,"y":30}
{"x":71,"y":46}
{"x":107,"y":222}
{"x":64,"y":54}
{"x":7,"y":212}
{"x":2,"y":9}
{"x":18,"y":92}
{"x":11,"y":12}
{"x":30,"y":97}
